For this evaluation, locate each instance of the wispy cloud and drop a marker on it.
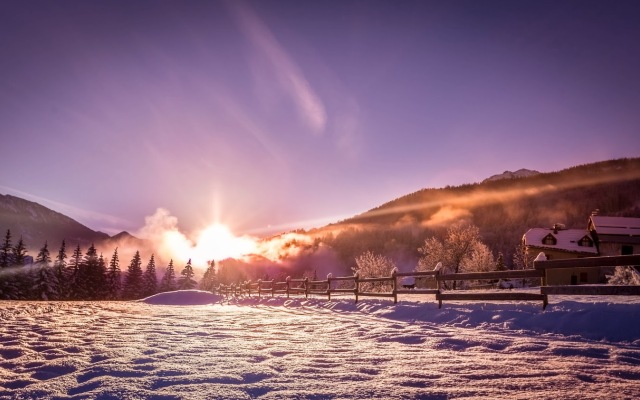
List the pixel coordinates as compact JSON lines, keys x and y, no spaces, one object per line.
{"x":309,"y":105}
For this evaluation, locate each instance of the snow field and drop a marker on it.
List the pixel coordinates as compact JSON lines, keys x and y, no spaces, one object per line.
{"x":314,"y":349}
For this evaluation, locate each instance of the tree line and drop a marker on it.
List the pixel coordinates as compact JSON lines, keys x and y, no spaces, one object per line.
{"x":88,"y":276}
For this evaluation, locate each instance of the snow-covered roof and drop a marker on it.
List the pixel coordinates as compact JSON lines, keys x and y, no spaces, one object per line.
{"x":565,"y":240}
{"x":615,"y":225}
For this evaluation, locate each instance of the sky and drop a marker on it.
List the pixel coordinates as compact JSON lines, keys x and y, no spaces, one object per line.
{"x":268,"y":116}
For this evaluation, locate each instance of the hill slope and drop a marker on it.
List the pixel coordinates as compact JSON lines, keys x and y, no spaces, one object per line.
{"x":503,"y":209}
{"x":37,"y":224}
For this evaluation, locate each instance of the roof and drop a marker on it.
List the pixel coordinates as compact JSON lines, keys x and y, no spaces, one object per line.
{"x":566,"y":240}
{"x":615,"y":225}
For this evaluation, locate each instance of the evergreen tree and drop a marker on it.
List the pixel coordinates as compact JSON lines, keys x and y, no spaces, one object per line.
{"x":46,"y":282}
{"x":500,"y":266}
{"x":73,"y":273}
{"x":150,"y":279}
{"x":209,"y":279}
{"x":19,"y":253}
{"x":100,"y":279}
{"x":24,"y":277}
{"x":168,"y":282}
{"x":60,"y":271}
{"x":88,"y":280}
{"x":114,"y":280}
{"x":186,"y":280}
{"x":5,"y":252}
{"x":133,"y":280}
{"x":6,"y":280}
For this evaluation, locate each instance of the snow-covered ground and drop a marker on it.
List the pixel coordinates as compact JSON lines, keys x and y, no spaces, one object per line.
{"x":188,"y":345}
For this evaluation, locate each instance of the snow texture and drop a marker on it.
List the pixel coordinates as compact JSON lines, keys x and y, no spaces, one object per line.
{"x":189,"y":345}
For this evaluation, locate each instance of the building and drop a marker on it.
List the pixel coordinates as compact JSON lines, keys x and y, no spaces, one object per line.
{"x":557,"y":243}
{"x":615,"y":235}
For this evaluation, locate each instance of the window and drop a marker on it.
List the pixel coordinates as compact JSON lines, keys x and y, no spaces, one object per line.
{"x":549,"y":240}
{"x":585,"y":242}
{"x":584,"y":277}
{"x":626,"y":250}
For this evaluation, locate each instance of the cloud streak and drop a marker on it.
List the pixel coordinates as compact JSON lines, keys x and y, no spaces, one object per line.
{"x":309,"y":105}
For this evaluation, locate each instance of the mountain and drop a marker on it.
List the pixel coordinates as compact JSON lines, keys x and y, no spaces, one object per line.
{"x":37,"y":224}
{"x":521,"y":173}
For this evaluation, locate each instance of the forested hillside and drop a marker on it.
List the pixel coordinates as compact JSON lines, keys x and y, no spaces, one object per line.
{"x":503,"y":210}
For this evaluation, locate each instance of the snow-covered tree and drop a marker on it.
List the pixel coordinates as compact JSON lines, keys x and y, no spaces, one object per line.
{"x":133,"y":280}
{"x":457,"y":248}
{"x":114,"y":280}
{"x":186,"y":281}
{"x":480,"y":260}
{"x":209,"y":279}
{"x":150,"y":279}
{"x":625,"y":276}
{"x":369,"y":265}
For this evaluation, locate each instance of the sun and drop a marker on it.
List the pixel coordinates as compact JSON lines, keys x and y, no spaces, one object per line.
{"x":217,"y":242}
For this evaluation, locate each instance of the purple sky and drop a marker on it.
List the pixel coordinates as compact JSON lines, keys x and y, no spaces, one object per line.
{"x":294,"y":114}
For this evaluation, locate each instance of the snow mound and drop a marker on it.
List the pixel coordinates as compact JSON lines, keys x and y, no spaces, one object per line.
{"x":183,"y":298}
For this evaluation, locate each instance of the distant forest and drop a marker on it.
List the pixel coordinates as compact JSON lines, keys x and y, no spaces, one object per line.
{"x":503,"y":210}
{"x":86,"y":276}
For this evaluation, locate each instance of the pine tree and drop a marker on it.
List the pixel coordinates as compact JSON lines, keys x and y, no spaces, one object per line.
{"x":114,"y":280}
{"x":209,"y":279}
{"x":88,"y":279}
{"x":186,"y":281}
{"x":5,"y":252}
{"x":133,"y":280}
{"x":6,"y":280}
{"x":25,"y":276}
{"x":19,"y":253}
{"x":73,"y":273}
{"x":46,"y":283}
{"x":500,"y":266}
{"x":150,"y":279}
{"x":60,"y":271}
{"x":168,"y":282}
{"x":100,"y":279}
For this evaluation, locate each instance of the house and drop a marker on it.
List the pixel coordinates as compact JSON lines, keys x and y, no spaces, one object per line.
{"x":615,"y":235}
{"x":559,"y":242}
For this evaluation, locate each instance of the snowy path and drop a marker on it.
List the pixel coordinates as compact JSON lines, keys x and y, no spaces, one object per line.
{"x":296,"y":349}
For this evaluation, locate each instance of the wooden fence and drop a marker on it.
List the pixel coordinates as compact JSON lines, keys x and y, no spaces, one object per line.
{"x":353,"y":284}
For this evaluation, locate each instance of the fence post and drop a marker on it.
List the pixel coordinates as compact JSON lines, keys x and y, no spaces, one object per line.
{"x":395,"y":285}
{"x":306,"y":288}
{"x":273,"y":288}
{"x":356,"y":279}
{"x":259,"y":287}
{"x":288,"y":280}
{"x":438,"y":269}
{"x":329,"y":286}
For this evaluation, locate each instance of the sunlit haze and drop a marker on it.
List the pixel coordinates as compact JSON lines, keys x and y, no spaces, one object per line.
{"x":205,"y":125}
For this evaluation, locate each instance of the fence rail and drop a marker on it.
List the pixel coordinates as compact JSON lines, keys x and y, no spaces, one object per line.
{"x":326,"y":287}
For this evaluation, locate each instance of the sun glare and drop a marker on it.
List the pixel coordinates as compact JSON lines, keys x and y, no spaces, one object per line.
{"x":217,"y":242}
